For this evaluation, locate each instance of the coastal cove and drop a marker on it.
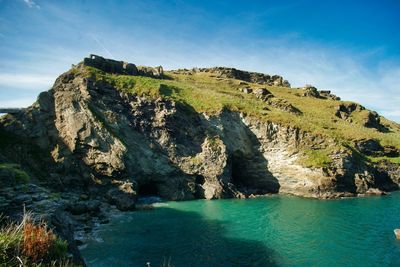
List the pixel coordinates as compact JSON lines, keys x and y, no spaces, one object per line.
{"x":271,"y":231}
{"x":199,"y":133}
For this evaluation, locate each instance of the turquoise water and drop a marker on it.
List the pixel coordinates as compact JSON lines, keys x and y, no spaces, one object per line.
{"x":274,"y":231}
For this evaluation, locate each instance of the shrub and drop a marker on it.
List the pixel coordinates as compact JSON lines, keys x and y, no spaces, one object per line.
{"x":31,"y":244}
{"x":37,"y":241}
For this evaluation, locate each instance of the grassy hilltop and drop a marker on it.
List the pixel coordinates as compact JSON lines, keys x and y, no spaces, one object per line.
{"x":205,"y":92}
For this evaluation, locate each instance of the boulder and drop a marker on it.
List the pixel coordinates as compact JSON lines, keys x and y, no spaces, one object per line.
{"x":262,"y":92}
{"x":328,"y":94}
{"x":247,"y":90}
{"x":124,"y":197}
{"x":372,"y":120}
{"x":374,"y":192}
{"x":344,"y":110}
{"x":311,"y":91}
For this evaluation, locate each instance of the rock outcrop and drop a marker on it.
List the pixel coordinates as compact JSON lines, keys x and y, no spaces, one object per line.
{"x":311,"y":91}
{"x":253,"y":77}
{"x":122,"y":67}
{"x":91,"y":146}
{"x":99,"y":137}
{"x":370,"y":119}
{"x":96,"y":136}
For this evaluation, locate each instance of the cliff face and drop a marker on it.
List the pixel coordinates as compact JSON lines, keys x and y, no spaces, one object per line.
{"x":94,"y":135}
{"x":108,"y":132}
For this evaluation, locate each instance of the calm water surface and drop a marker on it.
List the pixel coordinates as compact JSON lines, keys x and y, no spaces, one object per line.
{"x":274,"y":231}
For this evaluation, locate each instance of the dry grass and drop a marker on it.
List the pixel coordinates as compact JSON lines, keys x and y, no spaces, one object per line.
{"x":37,"y":241}
{"x":31,"y":244}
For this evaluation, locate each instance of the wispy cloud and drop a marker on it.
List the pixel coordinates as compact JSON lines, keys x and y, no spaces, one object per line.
{"x":31,"y":4}
{"x":26,"y":80}
{"x":174,"y":44}
{"x":101,"y":45}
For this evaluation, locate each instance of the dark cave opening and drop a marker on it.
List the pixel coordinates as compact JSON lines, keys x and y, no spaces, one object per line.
{"x":250,"y":174}
{"x":200,"y":179}
{"x":238,"y":169}
{"x":148,"y":189}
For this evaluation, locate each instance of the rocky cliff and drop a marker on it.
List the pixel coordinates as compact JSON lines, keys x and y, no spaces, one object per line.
{"x":108,"y":132}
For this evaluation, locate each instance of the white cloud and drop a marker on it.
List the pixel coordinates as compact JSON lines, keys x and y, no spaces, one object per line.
{"x":26,"y":80}
{"x":335,"y":68}
{"x":31,"y":4}
{"x":344,"y":72}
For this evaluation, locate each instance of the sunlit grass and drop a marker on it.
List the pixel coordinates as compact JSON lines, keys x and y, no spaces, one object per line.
{"x":208,"y":94}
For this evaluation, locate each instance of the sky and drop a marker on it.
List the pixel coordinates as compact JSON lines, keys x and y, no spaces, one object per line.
{"x":349,"y":47}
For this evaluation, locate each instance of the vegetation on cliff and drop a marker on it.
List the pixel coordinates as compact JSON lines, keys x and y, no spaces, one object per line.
{"x":102,"y":123}
{"x":205,"y":92}
{"x":31,"y":244}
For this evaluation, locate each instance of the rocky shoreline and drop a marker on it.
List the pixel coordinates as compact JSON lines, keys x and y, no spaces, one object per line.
{"x":90,"y":146}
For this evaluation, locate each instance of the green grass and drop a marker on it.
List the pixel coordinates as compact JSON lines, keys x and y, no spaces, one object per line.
{"x":377,"y":159}
{"x":204,"y":93}
{"x":20,"y":175}
{"x":316,"y":158}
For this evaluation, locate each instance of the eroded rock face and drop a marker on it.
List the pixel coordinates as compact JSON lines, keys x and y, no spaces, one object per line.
{"x":125,"y":145}
{"x":92,"y":147}
{"x":311,"y":91}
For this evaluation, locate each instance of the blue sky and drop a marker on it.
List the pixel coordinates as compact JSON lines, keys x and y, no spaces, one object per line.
{"x":349,"y":47}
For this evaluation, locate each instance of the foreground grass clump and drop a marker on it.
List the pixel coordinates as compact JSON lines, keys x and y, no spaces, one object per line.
{"x":31,"y":244}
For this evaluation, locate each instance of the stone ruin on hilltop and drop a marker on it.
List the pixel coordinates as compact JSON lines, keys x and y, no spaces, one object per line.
{"x":122,"y":67}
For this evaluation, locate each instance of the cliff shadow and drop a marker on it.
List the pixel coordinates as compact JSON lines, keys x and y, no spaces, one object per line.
{"x":184,"y":238}
{"x":249,"y":167}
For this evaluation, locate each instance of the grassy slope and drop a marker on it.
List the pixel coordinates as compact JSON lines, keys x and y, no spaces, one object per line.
{"x":209,"y":94}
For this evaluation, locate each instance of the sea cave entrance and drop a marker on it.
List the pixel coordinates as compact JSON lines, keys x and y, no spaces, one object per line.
{"x":148,"y":189}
